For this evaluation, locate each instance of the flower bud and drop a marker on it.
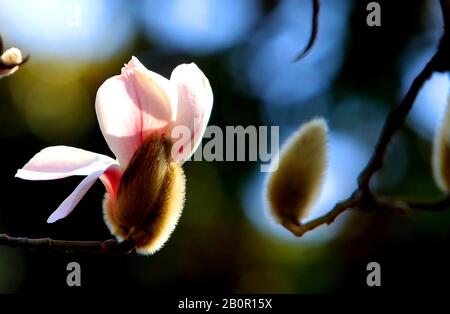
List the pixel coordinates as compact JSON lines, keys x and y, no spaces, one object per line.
{"x":295,"y":184}
{"x":441,"y":154}
{"x":10,"y":60}
{"x":149,"y":199}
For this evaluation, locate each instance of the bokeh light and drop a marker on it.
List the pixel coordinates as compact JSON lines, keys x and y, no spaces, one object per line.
{"x":199,"y":26}
{"x":56,"y":109}
{"x":70,"y":29}
{"x":364,"y":118}
{"x":226,"y":241}
{"x":267,"y":62}
{"x":431,"y":102}
{"x":429,"y":107}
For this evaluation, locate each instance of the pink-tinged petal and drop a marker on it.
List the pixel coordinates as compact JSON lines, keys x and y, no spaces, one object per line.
{"x":195,"y":100}
{"x":119,"y":117}
{"x":111,"y":179}
{"x":70,"y":202}
{"x":58,"y":162}
{"x":132,"y":106}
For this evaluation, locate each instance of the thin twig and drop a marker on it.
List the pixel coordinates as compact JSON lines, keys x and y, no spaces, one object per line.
{"x":314,"y":31}
{"x":300,"y":229}
{"x":362,"y":198}
{"x":109,"y":246}
{"x":393,"y":123}
{"x":427,"y":205}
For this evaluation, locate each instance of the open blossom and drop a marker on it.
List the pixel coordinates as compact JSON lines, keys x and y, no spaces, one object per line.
{"x":137,"y":111}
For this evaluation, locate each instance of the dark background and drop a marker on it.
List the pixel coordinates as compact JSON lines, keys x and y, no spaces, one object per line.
{"x":225,"y":242}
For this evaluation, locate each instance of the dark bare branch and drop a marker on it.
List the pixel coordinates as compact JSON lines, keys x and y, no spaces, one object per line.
{"x":363,"y":199}
{"x":109,"y":246}
{"x":314,"y":31}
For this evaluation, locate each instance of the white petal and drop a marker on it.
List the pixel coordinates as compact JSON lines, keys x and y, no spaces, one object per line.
{"x":132,"y":106}
{"x":195,"y":100}
{"x":63,"y":161}
{"x":70,"y":202}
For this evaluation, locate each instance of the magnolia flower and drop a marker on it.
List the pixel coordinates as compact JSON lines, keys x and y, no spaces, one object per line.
{"x":137,"y":112}
{"x":294,"y":186}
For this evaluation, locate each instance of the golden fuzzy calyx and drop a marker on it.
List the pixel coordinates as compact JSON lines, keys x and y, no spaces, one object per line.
{"x":295,"y":184}
{"x":150,"y":197}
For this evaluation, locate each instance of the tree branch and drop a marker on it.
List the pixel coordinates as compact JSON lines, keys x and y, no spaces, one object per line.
{"x":109,"y":246}
{"x":363,"y":199}
{"x":300,"y":229}
{"x":393,"y":123}
{"x":314,"y":31}
{"x":410,"y":204}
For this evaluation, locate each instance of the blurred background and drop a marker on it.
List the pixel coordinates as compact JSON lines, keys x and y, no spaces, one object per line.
{"x":225,"y":241}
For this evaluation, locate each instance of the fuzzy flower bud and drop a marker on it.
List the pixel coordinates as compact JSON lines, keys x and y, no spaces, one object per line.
{"x":295,"y":185}
{"x":441,"y":154}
